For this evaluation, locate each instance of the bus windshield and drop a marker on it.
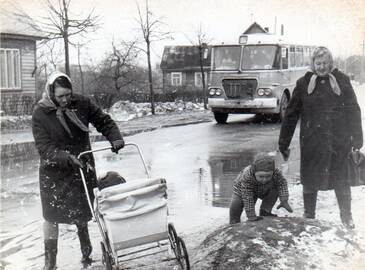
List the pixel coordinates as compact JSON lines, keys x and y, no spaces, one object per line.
{"x":260,"y":57}
{"x":226,"y":58}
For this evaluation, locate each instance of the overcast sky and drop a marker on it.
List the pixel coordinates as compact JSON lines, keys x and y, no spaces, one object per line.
{"x":338,"y":24}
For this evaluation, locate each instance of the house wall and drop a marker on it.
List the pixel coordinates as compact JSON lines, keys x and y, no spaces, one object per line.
{"x":20,"y":101}
{"x":188,"y":79}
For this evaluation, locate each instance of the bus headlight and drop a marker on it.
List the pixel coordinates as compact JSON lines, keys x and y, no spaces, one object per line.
{"x":261,"y":91}
{"x":218,"y":92}
{"x":264,"y":91}
{"x":215,"y":91}
{"x":211,"y":92}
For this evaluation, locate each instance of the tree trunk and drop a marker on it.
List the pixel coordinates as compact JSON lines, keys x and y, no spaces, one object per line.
{"x":81,"y":73}
{"x":203,"y":77}
{"x":150,"y":81}
{"x":65,"y":39}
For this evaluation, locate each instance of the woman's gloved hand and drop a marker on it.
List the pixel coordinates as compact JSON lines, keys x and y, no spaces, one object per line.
{"x":74,"y":162}
{"x":285,"y":152}
{"x":356,"y":156}
{"x":117,"y":145}
{"x":285,"y":205}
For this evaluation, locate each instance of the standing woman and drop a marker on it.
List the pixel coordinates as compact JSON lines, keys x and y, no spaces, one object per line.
{"x":60,"y":129}
{"x":330,"y":131}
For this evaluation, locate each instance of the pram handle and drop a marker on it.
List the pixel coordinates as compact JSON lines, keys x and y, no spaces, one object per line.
{"x":109,"y":148}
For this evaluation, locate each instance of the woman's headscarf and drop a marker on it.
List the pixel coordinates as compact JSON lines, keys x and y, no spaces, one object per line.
{"x":319,"y":52}
{"x":48,"y":101}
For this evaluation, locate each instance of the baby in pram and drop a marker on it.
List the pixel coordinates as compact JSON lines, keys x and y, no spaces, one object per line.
{"x":109,"y":179}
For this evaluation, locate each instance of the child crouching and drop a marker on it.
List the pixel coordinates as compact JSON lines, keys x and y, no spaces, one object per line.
{"x":259,"y":180}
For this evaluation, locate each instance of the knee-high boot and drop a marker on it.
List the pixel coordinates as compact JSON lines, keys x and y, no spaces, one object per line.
{"x":344,"y":204}
{"x":310,"y":202}
{"x":85,"y":244}
{"x":50,"y":254}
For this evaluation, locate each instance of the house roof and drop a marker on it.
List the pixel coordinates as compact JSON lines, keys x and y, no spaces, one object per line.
{"x":183,"y":57}
{"x":15,"y":22}
{"x":254,"y":28}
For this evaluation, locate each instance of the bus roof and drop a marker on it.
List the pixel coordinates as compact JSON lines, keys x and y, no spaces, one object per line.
{"x":260,"y":39}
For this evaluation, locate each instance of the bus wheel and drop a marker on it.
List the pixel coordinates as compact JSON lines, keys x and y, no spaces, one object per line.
{"x":283,"y":105}
{"x":221,"y":118}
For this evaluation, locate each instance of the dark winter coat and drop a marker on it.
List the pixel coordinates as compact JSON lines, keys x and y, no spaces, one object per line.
{"x":330,"y":126}
{"x":62,"y":193}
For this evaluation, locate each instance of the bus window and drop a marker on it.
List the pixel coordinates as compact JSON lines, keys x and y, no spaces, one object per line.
{"x":298,"y":56}
{"x":226,"y":57}
{"x":260,"y":57}
{"x":284,"y":58}
{"x":292,"y":56}
{"x":307,"y":56}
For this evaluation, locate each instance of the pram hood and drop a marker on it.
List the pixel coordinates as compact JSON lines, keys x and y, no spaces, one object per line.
{"x":131,"y":199}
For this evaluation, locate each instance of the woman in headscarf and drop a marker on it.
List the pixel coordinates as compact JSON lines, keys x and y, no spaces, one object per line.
{"x":330,"y":131}
{"x":60,"y":129}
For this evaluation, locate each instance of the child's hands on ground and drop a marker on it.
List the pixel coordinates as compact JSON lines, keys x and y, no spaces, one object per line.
{"x":251,"y":219}
{"x":286,"y":205}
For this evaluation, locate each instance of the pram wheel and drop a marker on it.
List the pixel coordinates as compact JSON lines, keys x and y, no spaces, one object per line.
{"x":172,"y":235}
{"x":106,"y":259}
{"x":182,"y":257}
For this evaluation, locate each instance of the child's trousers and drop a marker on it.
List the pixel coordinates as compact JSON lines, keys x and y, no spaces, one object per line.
{"x":236,"y":207}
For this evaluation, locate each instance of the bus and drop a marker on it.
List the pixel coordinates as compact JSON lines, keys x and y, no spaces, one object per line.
{"x":256,"y":76}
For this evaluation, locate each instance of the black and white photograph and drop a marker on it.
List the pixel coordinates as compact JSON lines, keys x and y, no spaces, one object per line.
{"x":182,"y":134}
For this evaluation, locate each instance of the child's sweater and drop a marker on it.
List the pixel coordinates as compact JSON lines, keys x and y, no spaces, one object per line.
{"x":249,"y":189}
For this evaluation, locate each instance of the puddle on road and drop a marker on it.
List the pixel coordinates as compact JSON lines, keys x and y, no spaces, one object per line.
{"x":224,"y":168}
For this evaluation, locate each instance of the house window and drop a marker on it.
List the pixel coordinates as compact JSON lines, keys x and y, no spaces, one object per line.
{"x":198,"y":79}
{"x":176,"y":78}
{"x":10,"y":69}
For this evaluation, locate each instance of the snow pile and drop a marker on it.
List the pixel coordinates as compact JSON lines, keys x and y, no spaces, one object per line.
{"x":279,"y":243}
{"x":126,"y":110}
{"x":15,"y":122}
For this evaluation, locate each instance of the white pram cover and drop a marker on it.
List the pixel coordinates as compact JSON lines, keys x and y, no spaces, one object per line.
{"x":133,"y":213}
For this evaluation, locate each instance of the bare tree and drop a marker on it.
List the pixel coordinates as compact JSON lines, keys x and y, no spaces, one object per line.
{"x":117,"y":72}
{"x":61,"y":24}
{"x":201,"y":41}
{"x":150,"y":29}
{"x":121,"y":62}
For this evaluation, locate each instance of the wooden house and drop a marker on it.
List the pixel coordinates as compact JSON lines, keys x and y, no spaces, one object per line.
{"x":180,"y":66}
{"x":18,"y":52}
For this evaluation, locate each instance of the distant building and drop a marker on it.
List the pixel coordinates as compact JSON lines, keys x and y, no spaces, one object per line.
{"x":255,"y":28}
{"x":17,"y":60}
{"x":180,"y":67}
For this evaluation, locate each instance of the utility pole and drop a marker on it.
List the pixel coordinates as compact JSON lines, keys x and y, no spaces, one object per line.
{"x":362,"y":60}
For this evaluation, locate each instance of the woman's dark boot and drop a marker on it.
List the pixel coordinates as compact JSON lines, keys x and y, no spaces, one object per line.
{"x":310,"y":202}
{"x":50,"y":254}
{"x":344,"y":203}
{"x":85,"y":245}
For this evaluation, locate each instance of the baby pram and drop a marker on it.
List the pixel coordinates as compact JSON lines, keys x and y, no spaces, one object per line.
{"x":132,"y":219}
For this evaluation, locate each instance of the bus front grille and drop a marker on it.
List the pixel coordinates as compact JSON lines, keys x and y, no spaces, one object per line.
{"x":239,"y":88}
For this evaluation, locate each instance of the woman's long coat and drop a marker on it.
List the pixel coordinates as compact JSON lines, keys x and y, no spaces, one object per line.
{"x":330,"y":125}
{"x":62,"y":193}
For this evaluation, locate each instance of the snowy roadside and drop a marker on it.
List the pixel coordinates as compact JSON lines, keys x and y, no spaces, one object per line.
{"x":131,"y":118}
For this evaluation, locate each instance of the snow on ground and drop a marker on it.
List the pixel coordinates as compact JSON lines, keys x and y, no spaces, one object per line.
{"x":120,"y":111}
